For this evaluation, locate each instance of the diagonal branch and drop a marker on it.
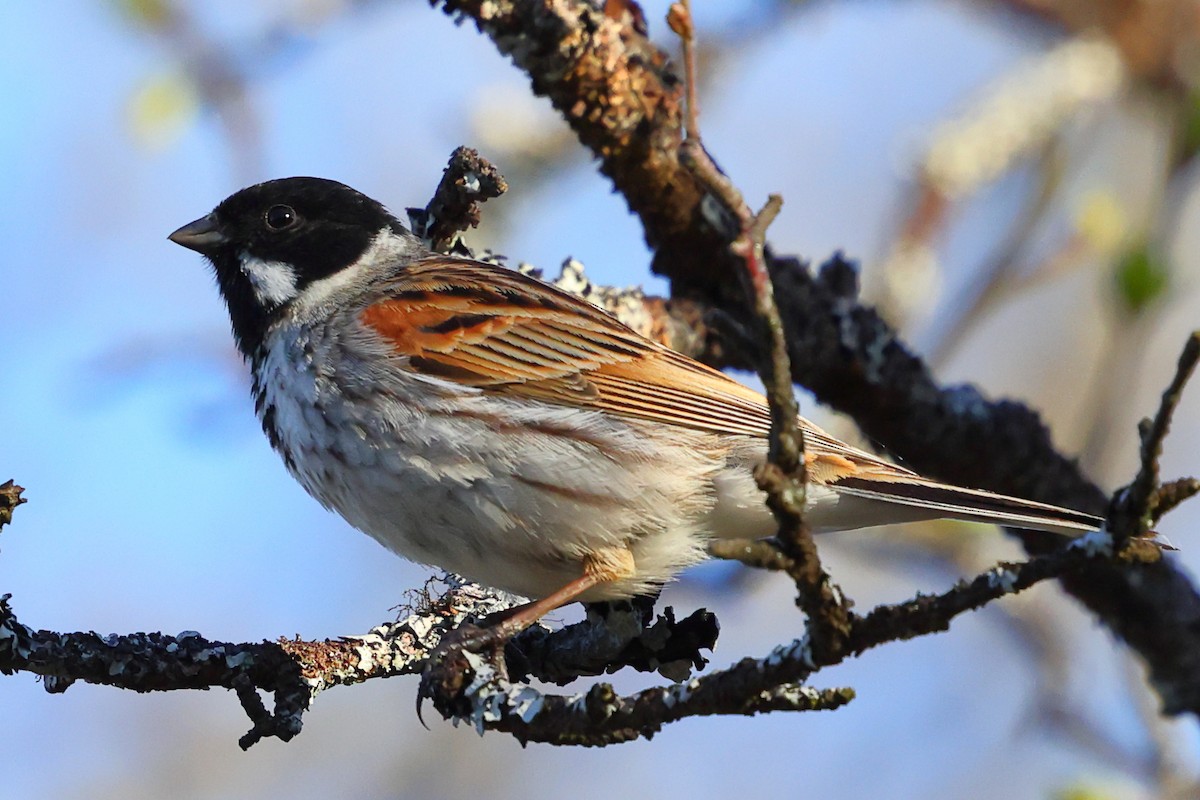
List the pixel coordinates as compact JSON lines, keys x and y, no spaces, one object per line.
{"x":616,"y":90}
{"x":600,"y":716}
{"x":784,"y":477}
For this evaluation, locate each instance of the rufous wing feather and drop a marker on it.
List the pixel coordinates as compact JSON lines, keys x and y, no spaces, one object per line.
{"x":497,"y":330}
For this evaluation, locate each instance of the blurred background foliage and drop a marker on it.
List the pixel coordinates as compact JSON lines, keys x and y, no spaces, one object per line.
{"x":1017,"y":177}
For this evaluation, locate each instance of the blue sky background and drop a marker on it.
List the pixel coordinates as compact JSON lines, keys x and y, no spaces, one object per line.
{"x":156,"y":504}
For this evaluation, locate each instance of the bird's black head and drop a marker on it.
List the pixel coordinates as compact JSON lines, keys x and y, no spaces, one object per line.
{"x":267,"y":243}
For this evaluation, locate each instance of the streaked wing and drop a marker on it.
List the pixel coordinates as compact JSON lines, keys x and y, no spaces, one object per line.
{"x":494,"y":329}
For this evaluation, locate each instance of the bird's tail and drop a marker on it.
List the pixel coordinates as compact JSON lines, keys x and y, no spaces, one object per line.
{"x":925,"y":499}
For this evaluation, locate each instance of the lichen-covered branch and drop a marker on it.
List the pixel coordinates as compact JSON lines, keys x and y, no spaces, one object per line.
{"x":488,"y":693}
{"x":467,"y":183}
{"x":487,"y":689}
{"x":10,"y":498}
{"x":296,"y":671}
{"x":620,"y":97}
{"x":488,"y":699}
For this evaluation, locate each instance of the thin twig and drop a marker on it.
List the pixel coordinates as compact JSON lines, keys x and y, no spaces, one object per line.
{"x":1171,"y":494}
{"x":757,"y":553}
{"x":679,"y":18}
{"x":10,"y":498}
{"x":468,"y":181}
{"x":1154,"y":432}
{"x":1136,"y":508}
{"x":784,"y":477}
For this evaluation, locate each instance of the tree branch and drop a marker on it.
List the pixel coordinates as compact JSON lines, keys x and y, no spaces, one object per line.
{"x":10,"y":498}
{"x":1140,"y":504}
{"x":489,"y":700}
{"x":483,"y":691}
{"x":296,"y":671}
{"x":784,"y":477}
{"x":467,"y":183}
{"x":618,"y":94}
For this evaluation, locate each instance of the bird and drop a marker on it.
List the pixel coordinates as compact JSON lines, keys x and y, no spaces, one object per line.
{"x":482,"y":421}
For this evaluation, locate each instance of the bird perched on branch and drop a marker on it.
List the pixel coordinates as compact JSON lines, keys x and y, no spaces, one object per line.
{"x":476,"y":419}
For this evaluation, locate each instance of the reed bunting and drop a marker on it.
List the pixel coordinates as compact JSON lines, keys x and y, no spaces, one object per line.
{"x":472,"y":418}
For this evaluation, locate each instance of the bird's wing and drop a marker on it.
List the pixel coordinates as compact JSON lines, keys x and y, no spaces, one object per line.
{"x":494,"y":329}
{"x":503,"y":332}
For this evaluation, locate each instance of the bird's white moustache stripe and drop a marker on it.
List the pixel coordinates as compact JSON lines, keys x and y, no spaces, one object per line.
{"x":273,"y":282}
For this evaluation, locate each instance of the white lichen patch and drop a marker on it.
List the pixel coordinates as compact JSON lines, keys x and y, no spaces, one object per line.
{"x":627,"y":304}
{"x":1001,"y":578}
{"x":366,"y":654}
{"x":11,"y":640}
{"x":680,"y":692}
{"x":527,"y":703}
{"x":1095,"y":543}
{"x":793,"y":693}
{"x":799,"y":650}
{"x":235,"y":660}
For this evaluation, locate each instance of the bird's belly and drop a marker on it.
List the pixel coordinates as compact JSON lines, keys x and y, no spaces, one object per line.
{"x":510,"y":494}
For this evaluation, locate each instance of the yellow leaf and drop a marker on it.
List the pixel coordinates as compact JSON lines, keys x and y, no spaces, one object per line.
{"x":148,"y":12}
{"x":1101,"y":221}
{"x":160,"y":110}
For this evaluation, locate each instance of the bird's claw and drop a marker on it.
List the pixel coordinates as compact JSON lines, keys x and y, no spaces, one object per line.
{"x":448,"y":670}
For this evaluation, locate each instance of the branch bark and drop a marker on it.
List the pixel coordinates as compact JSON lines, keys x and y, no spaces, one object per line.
{"x":618,"y":93}
{"x":296,"y":671}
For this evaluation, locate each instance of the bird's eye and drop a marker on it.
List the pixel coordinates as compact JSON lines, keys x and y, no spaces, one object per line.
{"x":280,"y":217}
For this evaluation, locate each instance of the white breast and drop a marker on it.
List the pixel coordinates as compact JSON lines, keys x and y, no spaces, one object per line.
{"x":509,"y":493}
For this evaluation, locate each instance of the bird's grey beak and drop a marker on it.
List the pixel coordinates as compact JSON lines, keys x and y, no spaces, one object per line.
{"x":204,"y":235}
